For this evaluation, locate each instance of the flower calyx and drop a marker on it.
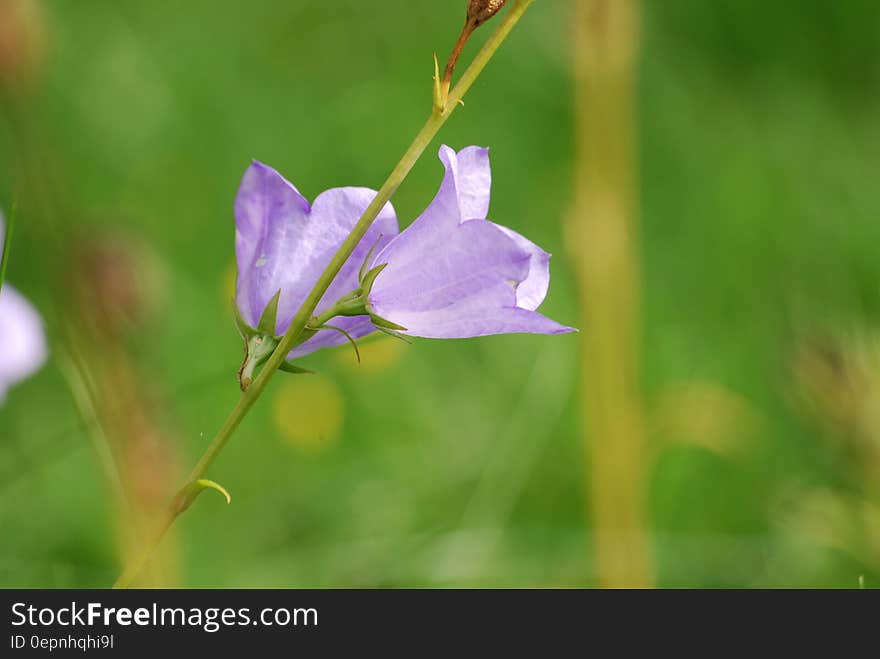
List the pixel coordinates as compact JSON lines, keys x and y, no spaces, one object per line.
{"x":260,"y":342}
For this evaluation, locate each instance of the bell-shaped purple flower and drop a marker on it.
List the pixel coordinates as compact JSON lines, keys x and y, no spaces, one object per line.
{"x":284,"y":243}
{"x":22,"y":340}
{"x":453,"y":274}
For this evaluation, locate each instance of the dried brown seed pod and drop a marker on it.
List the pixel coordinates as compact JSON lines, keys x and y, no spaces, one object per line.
{"x":480,"y":11}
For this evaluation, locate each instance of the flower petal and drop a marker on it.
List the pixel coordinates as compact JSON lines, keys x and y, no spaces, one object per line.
{"x":464,"y":195}
{"x":271,"y":217}
{"x":531,"y":292}
{"x":343,"y":207}
{"x":23,"y":347}
{"x":451,"y":274}
{"x":475,"y":257}
{"x":283,"y":243}
{"x":466,"y":187}
{"x":454,"y":324}
{"x":468,"y":179}
{"x":465,"y":289}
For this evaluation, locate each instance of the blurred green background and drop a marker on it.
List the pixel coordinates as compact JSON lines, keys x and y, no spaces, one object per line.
{"x":460,"y":463}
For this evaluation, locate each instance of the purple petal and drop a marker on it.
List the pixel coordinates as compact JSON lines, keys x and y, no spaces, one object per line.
{"x":453,"y":275}
{"x":470,"y":324}
{"x":23,"y":347}
{"x":468,"y":180}
{"x":347,"y":204}
{"x":466,"y":188}
{"x":283,"y":243}
{"x":271,"y":220}
{"x":531,"y":292}
{"x":464,"y":289}
{"x":464,"y":195}
{"x":474,"y":256}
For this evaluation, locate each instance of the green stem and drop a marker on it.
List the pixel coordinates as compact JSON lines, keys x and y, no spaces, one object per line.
{"x":323,"y":318}
{"x":432,"y":126}
{"x":7,"y":241}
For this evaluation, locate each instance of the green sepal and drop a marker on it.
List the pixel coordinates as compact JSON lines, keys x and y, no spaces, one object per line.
{"x":348,"y":299}
{"x":348,"y":336}
{"x":369,"y":257}
{"x":290,"y":367}
{"x":257,"y":351}
{"x":396,"y":335}
{"x":368,"y":279}
{"x":244,"y":330}
{"x":270,"y":314}
{"x":381,"y":323}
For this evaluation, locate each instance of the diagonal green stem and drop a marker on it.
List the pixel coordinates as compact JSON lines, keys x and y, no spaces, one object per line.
{"x":7,"y":240}
{"x":298,"y":325}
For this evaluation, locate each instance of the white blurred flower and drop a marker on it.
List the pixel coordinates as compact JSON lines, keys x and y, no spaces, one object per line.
{"x":23,"y":347}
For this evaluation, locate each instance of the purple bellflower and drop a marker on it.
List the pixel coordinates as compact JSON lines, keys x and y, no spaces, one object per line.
{"x":22,"y":340}
{"x":453,"y":274}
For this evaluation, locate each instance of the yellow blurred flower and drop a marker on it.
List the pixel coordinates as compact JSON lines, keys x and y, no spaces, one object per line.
{"x":308,"y":411}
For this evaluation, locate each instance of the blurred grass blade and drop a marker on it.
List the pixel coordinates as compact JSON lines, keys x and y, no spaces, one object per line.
{"x":603,"y":235}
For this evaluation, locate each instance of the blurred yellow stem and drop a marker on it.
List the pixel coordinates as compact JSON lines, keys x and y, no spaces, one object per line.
{"x":602,"y":239}
{"x":432,"y":126}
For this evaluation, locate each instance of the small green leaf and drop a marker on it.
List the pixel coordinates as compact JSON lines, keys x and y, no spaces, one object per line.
{"x":270,"y":314}
{"x":190,"y":493}
{"x":439,"y":101}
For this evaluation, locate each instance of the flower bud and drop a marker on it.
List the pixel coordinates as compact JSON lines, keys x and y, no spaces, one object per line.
{"x":480,"y":11}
